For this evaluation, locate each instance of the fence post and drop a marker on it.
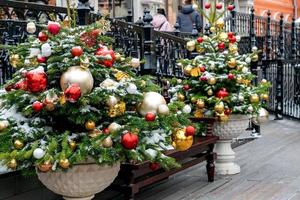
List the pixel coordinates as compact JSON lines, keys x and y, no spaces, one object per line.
{"x":233,"y":20}
{"x":269,"y":37}
{"x":177,"y":29}
{"x":207,"y":29}
{"x":83,"y":10}
{"x":252,"y":28}
{"x":129,"y":16}
{"x":294,"y":40}
{"x":279,"y":72}
{"x":195,"y":32}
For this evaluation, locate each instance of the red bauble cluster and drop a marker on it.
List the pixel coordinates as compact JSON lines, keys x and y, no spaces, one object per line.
{"x":222,"y":93}
{"x":150,"y":117}
{"x":103,"y":52}
{"x":76,"y":51}
{"x":230,"y":7}
{"x":221,"y":46}
{"x":190,"y":131}
{"x":154,"y":166}
{"x":129,"y":141}
{"x":43,"y":37}
{"x":36,"y":81}
{"x":53,"y":28}
{"x":37,"y":106}
{"x":73,"y":93}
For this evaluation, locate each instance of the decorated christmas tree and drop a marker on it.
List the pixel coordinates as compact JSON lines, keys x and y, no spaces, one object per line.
{"x":219,"y":80}
{"x":74,"y":98}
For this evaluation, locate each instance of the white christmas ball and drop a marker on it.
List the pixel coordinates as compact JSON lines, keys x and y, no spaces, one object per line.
{"x":238,"y":38}
{"x":254,"y":49}
{"x":250,"y":109}
{"x":245,"y":70}
{"x":135,"y":62}
{"x":241,"y":98}
{"x":131,"y":89}
{"x":248,"y":60}
{"x":31,"y":28}
{"x":163,"y":109}
{"x":34,"y":52}
{"x":38,"y":153}
{"x":187,"y":109}
{"x":114,"y":127}
{"x":46,"y":50}
{"x":151,"y":102}
{"x":111,"y":101}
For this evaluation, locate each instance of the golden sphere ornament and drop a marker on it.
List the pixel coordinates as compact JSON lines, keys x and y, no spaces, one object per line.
{"x":200,"y":104}
{"x":264,"y":97}
{"x":223,"y":118}
{"x":80,"y":76}
{"x":3,"y":125}
{"x":107,"y":142}
{"x":210,"y":92}
{"x":163,"y":110}
{"x":118,"y":57}
{"x":72,"y":145}
{"x":180,"y":97}
{"x":45,"y":167}
{"x":239,"y":80}
{"x":219,"y":108}
{"x":64,"y":163}
{"x":90,"y":125}
{"x":180,"y":141}
{"x":135,"y":62}
{"x":94,"y":133}
{"x":223,"y":36}
{"x":232,"y":63}
{"x":151,"y":102}
{"x":220,"y":24}
{"x":15,"y":60}
{"x":194,"y":100}
{"x":254,"y":98}
{"x":114,"y":128}
{"x":191,"y":45}
{"x":111,"y":101}
{"x":187,"y":70}
{"x":200,"y":49}
{"x":12,"y":164}
{"x":212,"y":81}
{"x":233,"y":49}
{"x":18,"y":144}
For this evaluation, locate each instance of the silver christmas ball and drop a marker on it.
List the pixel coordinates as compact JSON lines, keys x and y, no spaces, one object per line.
{"x":151,"y":102}
{"x":187,"y":109}
{"x":163,"y":109}
{"x":79,"y":75}
{"x":30,"y":27}
{"x":38,"y":153}
{"x":114,"y":127}
{"x":262,"y":116}
{"x":111,"y":101}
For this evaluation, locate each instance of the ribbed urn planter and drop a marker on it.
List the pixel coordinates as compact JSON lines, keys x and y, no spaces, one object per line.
{"x":81,"y":182}
{"x":226,"y":131}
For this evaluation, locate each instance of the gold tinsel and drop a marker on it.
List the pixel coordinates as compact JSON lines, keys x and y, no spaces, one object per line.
{"x":198,"y":113}
{"x":117,"y":110}
{"x":181,"y":142}
{"x":195,"y":72}
{"x":121,"y":75}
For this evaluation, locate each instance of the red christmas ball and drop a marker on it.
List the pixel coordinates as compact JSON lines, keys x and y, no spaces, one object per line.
{"x":9,"y":87}
{"x":37,"y":106}
{"x":219,"y":6}
{"x":36,"y":81}
{"x":129,"y":141}
{"x":150,"y":117}
{"x":199,"y":39}
{"x":104,"y":52}
{"x":202,"y":68}
{"x":227,"y":111}
{"x":186,"y":87}
{"x":230,"y":34}
{"x":190,"y":131}
{"x":230,"y":7}
{"x":73,"y":93}
{"x":232,"y":39}
{"x":21,"y":85}
{"x":96,"y":32}
{"x":76,"y":51}
{"x":221,"y":45}
{"x":222,"y":93}
{"x":43,"y":37}
{"x":105,"y":131}
{"x":154,"y":166}
{"x":53,"y":28}
{"x":207,"y":5}
{"x":230,"y":76}
{"x":203,"y":78}
{"x":41,"y":59}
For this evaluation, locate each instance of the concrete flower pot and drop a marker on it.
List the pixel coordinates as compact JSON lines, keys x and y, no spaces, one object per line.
{"x":236,"y":125}
{"x":81,"y":182}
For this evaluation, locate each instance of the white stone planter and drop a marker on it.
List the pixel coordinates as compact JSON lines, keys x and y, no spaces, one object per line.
{"x":81,"y":182}
{"x":236,"y":125}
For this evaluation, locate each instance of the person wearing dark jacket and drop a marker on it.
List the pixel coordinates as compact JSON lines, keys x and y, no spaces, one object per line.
{"x":187,"y":17}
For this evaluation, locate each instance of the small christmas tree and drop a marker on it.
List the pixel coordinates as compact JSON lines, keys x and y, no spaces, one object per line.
{"x":74,"y":98}
{"x":219,"y":80}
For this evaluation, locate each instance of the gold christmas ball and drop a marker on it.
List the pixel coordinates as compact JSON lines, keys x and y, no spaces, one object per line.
{"x":223,"y":36}
{"x":114,"y":128}
{"x":3,"y":125}
{"x":90,"y":125}
{"x":223,"y":118}
{"x":191,"y":45}
{"x":264,"y":81}
{"x":80,"y":76}
{"x":212,"y":29}
{"x":254,"y":58}
{"x":194,"y":100}
{"x":254,"y":98}
{"x":181,"y":142}
{"x":239,"y":80}
{"x":163,"y":110}
{"x":265,"y":97}
{"x":12,"y":164}
{"x":15,"y":60}
{"x":220,"y":23}
{"x":18,"y":144}
{"x":187,"y":70}
{"x":200,"y":104}
{"x":151,"y":102}
{"x":107,"y":142}
{"x":233,"y":49}
{"x":200,"y":49}
{"x":210,"y":92}
{"x":72,"y":145}
{"x":111,"y":101}
{"x":232,"y":63}
{"x":262,"y":116}
{"x":94,"y":133}
{"x":118,"y":57}
{"x":219,"y":108}
{"x":64,"y":163}
{"x":180,"y":97}
{"x":84,"y":62}
{"x":212,"y":81}
{"x":45,"y":167}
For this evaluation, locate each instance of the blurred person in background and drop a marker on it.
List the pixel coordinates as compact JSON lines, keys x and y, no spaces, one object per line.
{"x":160,"y":22}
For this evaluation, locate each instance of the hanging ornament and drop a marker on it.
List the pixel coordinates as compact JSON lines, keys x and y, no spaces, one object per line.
{"x":151,"y":102}
{"x":199,"y":113}
{"x":41,"y":59}
{"x":230,"y":76}
{"x":186,"y":87}
{"x":232,"y":39}
{"x":262,"y":116}
{"x":223,"y":36}
{"x":15,"y":60}
{"x":45,"y":167}
{"x":221,"y":46}
{"x":150,"y":117}
{"x":72,"y":144}
{"x":230,"y":7}
{"x":38,"y":153}
{"x":118,"y":57}
{"x":3,"y":125}
{"x":263,"y":81}
{"x":64,"y":163}
{"x":200,"y":104}
{"x":190,"y":131}
{"x":180,"y":141}
{"x":187,"y":109}
{"x":254,"y":98}
{"x":117,"y":110}
{"x":200,"y":40}
{"x":239,"y":80}
{"x":212,"y":81}
{"x":80,"y":76}
{"x":187,"y":70}
{"x":163,"y":110}
{"x":129,"y":141}
{"x":195,"y":72}
{"x":207,"y":5}
{"x":222,"y":93}
{"x":227,"y":111}
{"x":107,"y":142}
{"x":105,"y":131}
{"x":111,"y":101}
{"x":233,"y":49}
{"x":107,"y":57}
{"x":241,"y":98}
{"x":180,"y":97}
{"x":264,"y":97}
{"x":31,"y":28}
{"x":12,"y":164}
{"x":46,"y":50}
{"x":220,"y":24}
{"x":43,"y":37}
{"x":219,"y":6}
{"x":90,"y":125}
{"x":135,"y":63}
{"x":154,"y":166}
{"x":191,"y":45}
{"x":210,"y":92}
{"x":131,"y":88}
{"x":18,"y":144}
{"x":203,"y":78}
{"x":76,"y":51}
{"x":114,"y":128}
{"x":21,"y":85}
{"x":232,"y":63}
{"x":37,"y":106}
{"x":53,"y":27}
{"x":73,"y":93}
{"x":94,"y":133}
{"x":219,"y":108}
